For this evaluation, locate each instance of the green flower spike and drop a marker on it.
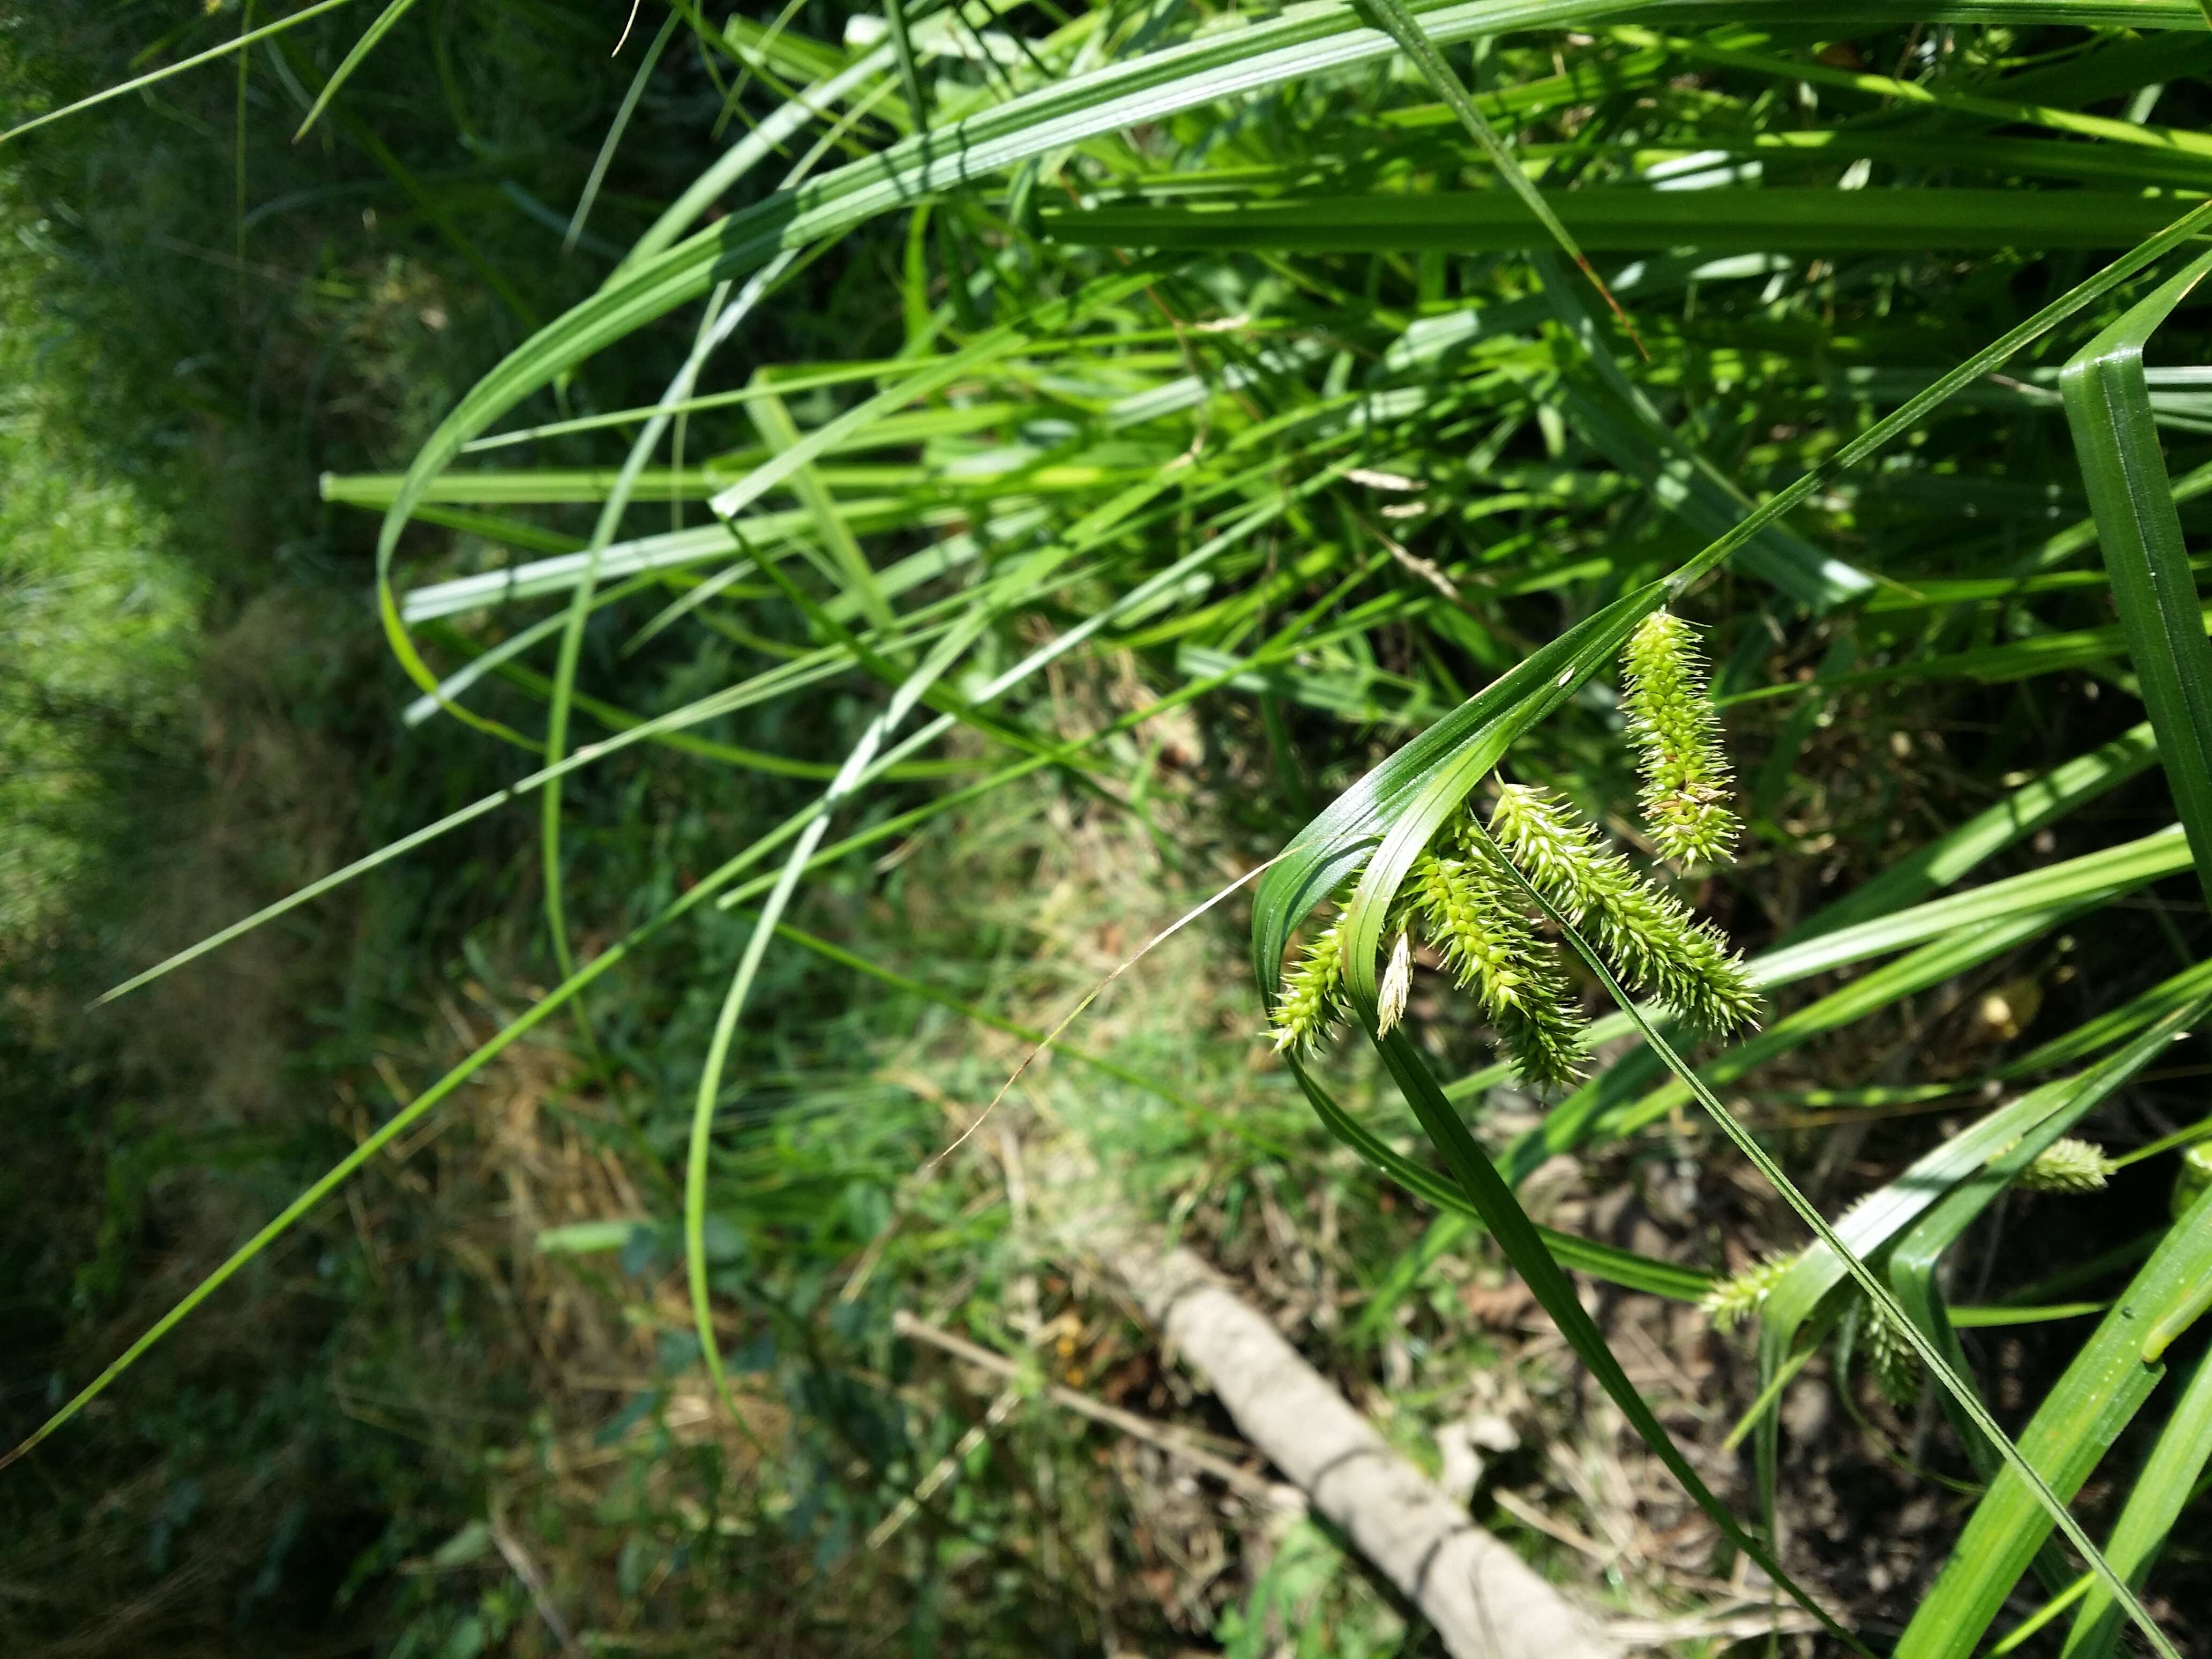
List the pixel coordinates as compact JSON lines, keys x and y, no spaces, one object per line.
{"x":1656,"y":944}
{"x":1677,"y":741}
{"x":2068,"y":1165}
{"x":1477,"y":914}
{"x":1731,"y":1301}
{"x":1890,"y":1357}
{"x":1311,"y":992}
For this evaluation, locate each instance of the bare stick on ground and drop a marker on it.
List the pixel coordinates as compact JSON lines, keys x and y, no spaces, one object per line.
{"x":1485,"y":1601}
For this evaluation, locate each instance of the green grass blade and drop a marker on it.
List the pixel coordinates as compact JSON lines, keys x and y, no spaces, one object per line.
{"x":2107,"y":1383}
{"x":1913,"y":1261}
{"x":604,"y":159}
{"x":773,"y":422}
{"x":1691,"y":487}
{"x":1953,"y":951}
{"x":136,"y":82}
{"x":1770,"y":219}
{"x":1407,"y":30}
{"x":2108,"y":407}
{"x":2114,"y":1023}
{"x":2168,"y":1479}
{"x":386,"y":20}
{"x":849,"y":780}
{"x":1890,"y":89}
{"x":706,"y":709}
{"x":1601,"y":1261}
{"x":940,"y":371}
{"x":2033,"y":806}
{"x":785,"y":121}
{"x":902,"y":49}
{"x":724,"y":315}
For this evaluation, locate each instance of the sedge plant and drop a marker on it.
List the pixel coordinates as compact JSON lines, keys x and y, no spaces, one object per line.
{"x":1234,"y":348}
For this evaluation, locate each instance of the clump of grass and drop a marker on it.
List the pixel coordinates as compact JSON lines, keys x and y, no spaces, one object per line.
{"x":1057,"y":426}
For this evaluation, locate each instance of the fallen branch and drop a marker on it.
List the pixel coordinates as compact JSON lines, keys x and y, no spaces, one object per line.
{"x":1484,"y":1601}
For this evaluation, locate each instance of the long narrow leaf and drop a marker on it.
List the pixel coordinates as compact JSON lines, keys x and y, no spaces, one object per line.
{"x":2076,"y":1424}
{"x":2108,"y":406}
{"x":386,"y":20}
{"x":238,"y":43}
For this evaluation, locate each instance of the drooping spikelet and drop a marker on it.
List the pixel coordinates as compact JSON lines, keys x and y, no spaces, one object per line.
{"x":1654,"y":942}
{"x":1676,"y":737}
{"x":1734,"y":1299}
{"x":1311,"y":993}
{"x":2068,"y":1165}
{"x":1477,"y":916}
{"x":1890,"y":1358}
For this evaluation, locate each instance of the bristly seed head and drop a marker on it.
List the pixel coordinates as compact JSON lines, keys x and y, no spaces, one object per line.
{"x":2068,"y":1165}
{"x":1676,"y":735}
{"x":1476,"y":906}
{"x":1890,"y":1357}
{"x":1734,"y":1299}
{"x":1311,"y":992}
{"x":1477,"y":914}
{"x":1654,"y":942}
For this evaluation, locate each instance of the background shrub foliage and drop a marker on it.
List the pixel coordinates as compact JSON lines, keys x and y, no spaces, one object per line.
{"x":869,"y":519}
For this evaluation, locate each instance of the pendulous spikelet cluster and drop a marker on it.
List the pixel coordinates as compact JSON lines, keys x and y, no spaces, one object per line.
{"x":2068,"y":1165}
{"x":1890,"y":1358}
{"x":1676,"y":738}
{"x":1474,"y":895}
{"x":1312,"y":992}
{"x":1866,"y":1330}
{"x":1474,"y":910}
{"x":1651,"y":940}
{"x":1736,"y":1299}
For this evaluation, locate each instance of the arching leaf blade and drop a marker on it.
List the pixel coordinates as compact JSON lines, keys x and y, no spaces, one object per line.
{"x":2108,"y":409}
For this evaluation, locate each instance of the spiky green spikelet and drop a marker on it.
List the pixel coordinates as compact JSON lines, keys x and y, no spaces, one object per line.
{"x":1311,"y":993}
{"x":1676,"y":737}
{"x":1476,"y":915}
{"x":1657,"y":946}
{"x":1890,"y":1358}
{"x":2068,"y":1165}
{"x":1733,"y":1300}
